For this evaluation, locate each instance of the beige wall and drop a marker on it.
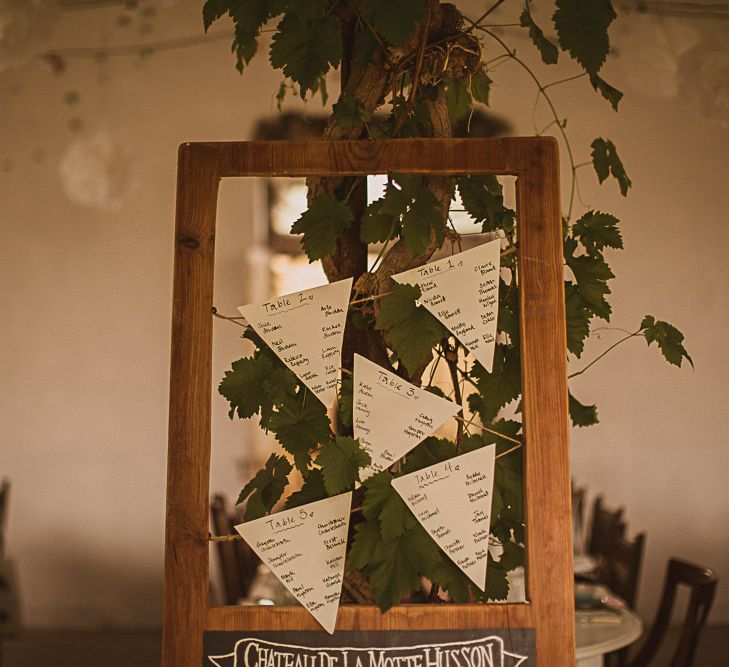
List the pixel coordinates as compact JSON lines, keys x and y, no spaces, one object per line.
{"x":86,"y":303}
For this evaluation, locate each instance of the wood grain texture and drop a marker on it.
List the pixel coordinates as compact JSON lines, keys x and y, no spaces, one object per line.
{"x":366,"y":617}
{"x":188,"y":457}
{"x":534,"y":161}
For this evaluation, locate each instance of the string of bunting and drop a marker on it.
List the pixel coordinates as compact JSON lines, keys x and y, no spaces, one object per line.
{"x":451,"y":499}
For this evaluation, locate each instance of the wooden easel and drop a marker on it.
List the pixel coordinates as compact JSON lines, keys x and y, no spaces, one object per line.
{"x":534,"y":161}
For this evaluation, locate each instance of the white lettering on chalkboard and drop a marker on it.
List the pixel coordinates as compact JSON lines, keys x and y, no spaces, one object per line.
{"x":487,"y":651}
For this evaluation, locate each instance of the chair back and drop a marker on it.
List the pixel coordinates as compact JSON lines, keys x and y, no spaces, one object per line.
{"x":621,"y":567}
{"x":578,"y":517}
{"x":4,"y":501}
{"x":238,"y":563}
{"x":607,"y":526}
{"x":702,"y":584}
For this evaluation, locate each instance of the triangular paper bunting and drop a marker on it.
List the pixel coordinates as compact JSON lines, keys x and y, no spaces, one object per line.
{"x":306,"y":330}
{"x":305,"y":547}
{"x":452,"y":500}
{"x":391,"y":415}
{"x":462,"y":291}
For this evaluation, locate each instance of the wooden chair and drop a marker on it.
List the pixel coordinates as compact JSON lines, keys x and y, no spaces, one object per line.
{"x":620,"y":572}
{"x":702,"y":584}
{"x":4,"y":501}
{"x":578,"y":517}
{"x":621,"y":567}
{"x":238,"y":563}
{"x":607,"y":526}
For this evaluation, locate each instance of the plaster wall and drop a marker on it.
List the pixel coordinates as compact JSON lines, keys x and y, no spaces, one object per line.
{"x":85,"y":311}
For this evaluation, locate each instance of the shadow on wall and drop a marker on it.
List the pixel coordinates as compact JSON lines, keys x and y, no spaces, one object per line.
{"x":113,"y":588}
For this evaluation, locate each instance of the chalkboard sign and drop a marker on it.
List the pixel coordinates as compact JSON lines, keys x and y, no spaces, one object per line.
{"x":442,"y":648}
{"x":189,"y":620}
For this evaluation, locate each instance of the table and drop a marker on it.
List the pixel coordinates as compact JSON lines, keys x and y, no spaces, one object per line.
{"x":598,"y":633}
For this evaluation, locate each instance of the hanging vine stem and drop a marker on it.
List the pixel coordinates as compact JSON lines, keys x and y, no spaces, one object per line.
{"x":542,"y":91}
{"x":240,"y":321}
{"x":236,"y":537}
{"x":488,"y":430}
{"x":600,"y":356}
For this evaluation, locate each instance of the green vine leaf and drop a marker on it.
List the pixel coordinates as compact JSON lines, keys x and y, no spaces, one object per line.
{"x":409,"y":208}
{"x":213,"y":10}
{"x":451,"y":579}
{"x":508,"y":319}
{"x":254,"y":385}
{"x":344,"y":405}
{"x":481,"y":87}
{"x":383,"y":503}
{"x":591,"y":273}
{"x":607,"y":163}
{"x":423,"y":217}
{"x":497,"y":582}
{"x":322,"y":225}
{"x":498,"y":388}
{"x":364,"y":48}
{"x":547,"y":50}
{"x":668,"y":338}
{"x":398,"y":565}
{"x":578,"y":319}
{"x":241,"y":386}
{"x":582,"y":27}
{"x":582,"y":415}
{"x":381,"y":220}
{"x":311,"y":490}
{"x":596,"y":231}
{"x":394,"y":21}
{"x":509,"y":488}
{"x":612,"y":95}
{"x":300,"y":424}
{"x":266,"y":488}
{"x":348,"y":112}
{"x":308,"y":42}
{"x":433,"y":389}
{"x":248,"y":19}
{"x":429,"y":452}
{"x":512,"y":555}
{"x":365,"y":546}
{"x":341,"y":459}
{"x":483,"y":200}
{"x":458,"y":98}
{"x":412,"y":332}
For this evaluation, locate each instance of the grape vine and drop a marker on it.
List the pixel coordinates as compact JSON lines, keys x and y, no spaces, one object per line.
{"x":418,"y":68}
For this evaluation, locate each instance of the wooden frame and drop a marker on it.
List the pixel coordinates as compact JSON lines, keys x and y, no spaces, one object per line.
{"x":534,"y":161}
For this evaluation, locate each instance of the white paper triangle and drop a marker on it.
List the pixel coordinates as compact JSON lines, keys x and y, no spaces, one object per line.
{"x":452,"y":500}
{"x":462,"y":291}
{"x":391,"y":415}
{"x":305,"y":548}
{"x":306,"y":330}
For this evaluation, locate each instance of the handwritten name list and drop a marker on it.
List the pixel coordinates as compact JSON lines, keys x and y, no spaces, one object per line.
{"x":306,"y":329}
{"x":305,"y":548}
{"x":391,"y":416}
{"x":462,"y":291}
{"x":452,"y":501}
